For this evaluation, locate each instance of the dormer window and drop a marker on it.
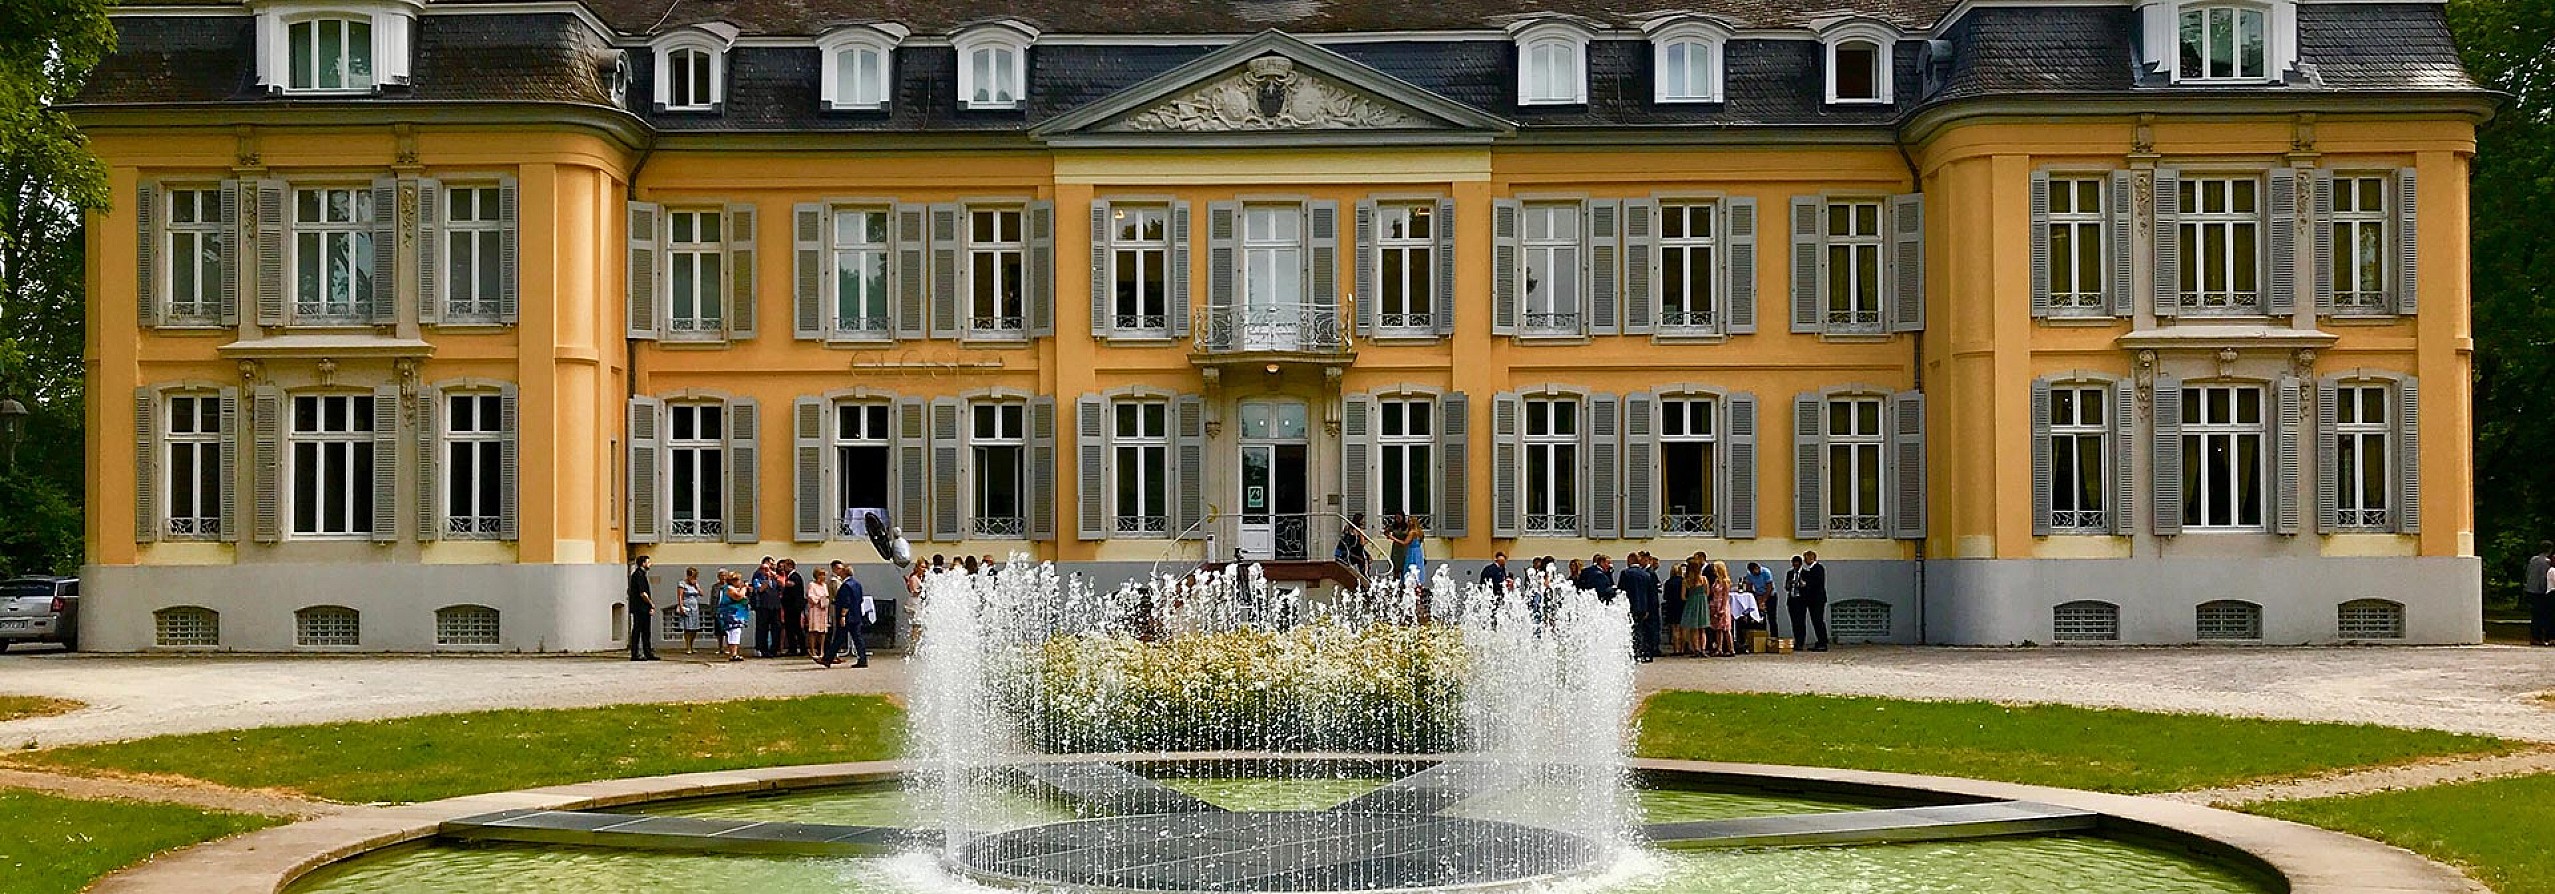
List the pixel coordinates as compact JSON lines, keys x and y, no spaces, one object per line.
{"x":2223,"y":43}
{"x":331,"y":54}
{"x":858,"y":65}
{"x":689,"y":82}
{"x":1685,"y":57}
{"x":337,"y":46}
{"x":691,"y":68}
{"x":1859,"y":68}
{"x":1552,"y":64}
{"x":993,"y":65}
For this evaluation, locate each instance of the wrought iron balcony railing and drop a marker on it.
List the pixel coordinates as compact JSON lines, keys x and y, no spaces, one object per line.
{"x":1279,"y":328}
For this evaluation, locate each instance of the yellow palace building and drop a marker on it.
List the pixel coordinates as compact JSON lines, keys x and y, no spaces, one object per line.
{"x":2041,"y":321}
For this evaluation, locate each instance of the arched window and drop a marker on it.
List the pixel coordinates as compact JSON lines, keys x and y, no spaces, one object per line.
{"x":2223,"y":42}
{"x":1686,"y":61}
{"x":691,"y":80}
{"x":328,"y":625}
{"x":2085,"y":621}
{"x":993,"y":65}
{"x":466,"y":625}
{"x":186,"y":626}
{"x":2370,"y":619}
{"x":330,"y":53}
{"x":1854,"y":69}
{"x":1552,"y":64}
{"x":1859,"y":620}
{"x":858,"y":66}
{"x":2228,"y":619}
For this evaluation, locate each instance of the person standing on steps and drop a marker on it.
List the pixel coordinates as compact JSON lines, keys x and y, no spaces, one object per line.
{"x":1810,"y":602}
{"x":2541,"y":606}
{"x":642,"y":610}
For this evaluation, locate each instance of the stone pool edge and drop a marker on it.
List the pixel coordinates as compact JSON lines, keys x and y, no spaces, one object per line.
{"x":2311,"y":860}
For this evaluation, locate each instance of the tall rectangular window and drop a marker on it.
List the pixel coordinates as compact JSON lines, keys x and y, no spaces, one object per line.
{"x":1855,"y":441}
{"x":474,"y":455}
{"x":1002,"y":483}
{"x":333,"y":470}
{"x":2080,"y":469}
{"x":998,"y":278}
{"x":1552,"y":267}
{"x":1552,"y":466}
{"x":696,"y":450}
{"x":2222,"y":43}
{"x":1408,"y":441}
{"x":861,"y":442}
{"x":2222,"y":457}
{"x":192,"y":439}
{"x":330,"y":54}
{"x":2362,"y":425}
{"x":197,"y":231}
{"x":1854,"y":266}
{"x":1405,"y":268}
{"x":1141,"y":445}
{"x":1273,"y":261}
{"x":474,"y":252}
{"x":687,"y":79}
{"x":333,"y":253}
{"x":1686,"y":270}
{"x":2220,"y":235}
{"x":696,"y":259}
{"x":860,"y":272}
{"x":2360,"y":243}
{"x":1139,"y":268}
{"x":2077,"y":219}
{"x":1689,"y":465}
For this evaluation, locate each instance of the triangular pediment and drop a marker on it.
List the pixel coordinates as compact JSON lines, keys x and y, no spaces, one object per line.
{"x":1273,"y":86}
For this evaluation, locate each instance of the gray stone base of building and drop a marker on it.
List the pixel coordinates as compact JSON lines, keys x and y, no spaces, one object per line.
{"x":539,"y":608}
{"x":2286,"y":601}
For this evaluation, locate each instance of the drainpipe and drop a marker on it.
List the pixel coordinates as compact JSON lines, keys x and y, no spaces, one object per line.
{"x":1916,"y":181}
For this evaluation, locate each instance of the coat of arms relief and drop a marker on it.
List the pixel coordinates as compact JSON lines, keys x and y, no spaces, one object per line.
{"x":1269,"y":94}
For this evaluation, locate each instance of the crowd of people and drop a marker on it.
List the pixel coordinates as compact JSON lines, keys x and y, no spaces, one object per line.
{"x":822,"y":614}
{"x":1697,"y":607}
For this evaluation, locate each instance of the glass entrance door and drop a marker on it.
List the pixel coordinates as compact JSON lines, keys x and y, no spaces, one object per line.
{"x":1273,"y":523}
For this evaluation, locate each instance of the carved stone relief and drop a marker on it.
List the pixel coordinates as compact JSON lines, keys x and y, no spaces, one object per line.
{"x":1269,"y":94}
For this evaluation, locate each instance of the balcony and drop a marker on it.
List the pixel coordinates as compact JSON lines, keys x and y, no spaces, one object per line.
{"x":1277,"y":333}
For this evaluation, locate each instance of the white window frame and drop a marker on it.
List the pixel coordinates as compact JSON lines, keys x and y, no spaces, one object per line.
{"x":1678,"y":414}
{"x":186,"y":245}
{"x":1853,"y":304}
{"x":997,"y":272}
{"x":477,"y":453}
{"x":1693,"y":38}
{"x":1853,"y":454}
{"x":473,"y":251}
{"x":992,"y":45}
{"x":997,"y":425}
{"x":357,"y":231}
{"x":2237,"y":16}
{"x":1140,"y":463}
{"x":334,"y":449}
{"x":1398,"y":442}
{"x":1883,"y":42}
{"x":1273,"y":250}
{"x":1552,"y":64}
{"x":706,"y":446}
{"x":1131,"y":247}
{"x":2069,"y":433}
{"x":2200,"y":432}
{"x":2198,"y":294}
{"x":1542,"y":308}
{"x":1544,"y":435}
{"x":858,"y":67}
{"x":191,"y":426}
{"x":2364,"y":454}
{"x":392,"y":24}
{"x":2363,"y":233}
{"x":685,"y":259}
{"x":871,"y":320}
{"x":712,"y":41}
{"x":1406,"y":269}
{"x":1690,"y":254}
{"x":859,"y":425}
{"x":306,"y":72}
{"x":2073,"y":228}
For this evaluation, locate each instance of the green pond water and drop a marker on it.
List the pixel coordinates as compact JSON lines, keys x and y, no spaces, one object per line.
{"x":2073,"y":864}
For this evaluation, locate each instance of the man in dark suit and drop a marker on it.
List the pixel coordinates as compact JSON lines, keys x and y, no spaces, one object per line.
{"x":1641,"y":587}
{"x":763,"y":595}
{"x":793,"y":609}
{"x":1810,"y":606}
{"x":642,"y":613}
{"x":1495,"y":575}
{"x":1598,"y":578}
{"x":853,"y":612}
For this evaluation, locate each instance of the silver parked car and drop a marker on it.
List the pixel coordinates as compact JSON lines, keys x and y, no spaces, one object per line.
{"x":40,"y":610}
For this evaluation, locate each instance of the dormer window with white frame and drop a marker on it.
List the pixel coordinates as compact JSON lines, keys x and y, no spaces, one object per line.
{"x":1552,"y":64}
{"x":858,"y":66}
{"x":1685,"y":55}
{"x":993,"y":65}
{"x":1859,"y":66}
{"x":2220,"y":41}
{"x":691,"y":69}
{"x":351,"y":47}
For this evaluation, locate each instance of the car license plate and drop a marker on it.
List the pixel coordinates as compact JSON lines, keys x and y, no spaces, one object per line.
{"x":14,"y":625}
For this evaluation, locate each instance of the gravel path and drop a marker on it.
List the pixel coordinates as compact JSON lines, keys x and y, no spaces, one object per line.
{"x":2423,"y":774}
{"x":167,"y":790}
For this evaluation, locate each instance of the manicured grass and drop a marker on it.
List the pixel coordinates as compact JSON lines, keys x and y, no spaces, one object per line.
{"x":424,"y":758}
{"x":51,"y":845}
{"x":21,"y":707}
{"x":2496,"y":829}
{"x":2103,"y":750}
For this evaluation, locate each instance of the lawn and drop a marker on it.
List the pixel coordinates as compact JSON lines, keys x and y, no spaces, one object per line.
{"x":2103,"y":750}
{"x":424,"y":758}
{"x":21,"y":707}
{"x":2495,"y":829}
{"x":52,"y":845}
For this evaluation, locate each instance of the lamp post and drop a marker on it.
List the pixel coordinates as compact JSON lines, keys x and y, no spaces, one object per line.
{"x":13,"y":423}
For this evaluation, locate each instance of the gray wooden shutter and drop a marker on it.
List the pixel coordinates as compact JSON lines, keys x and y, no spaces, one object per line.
{"x":2408,"y":456}
{"x":1367,"y":295}
{"x":271,"y":236}
{"x":1091,"y":460}
{"x":1177,"y":297}
{"x":2164,"y":472}
{"x":2320,"y":237}
{"x":2280,"y":292}
{"x":745,"y":477}
{"x":430,"y":253}
{"x":509,"y":464}
{"x":948,"y":473}
{"x":807,"y":266}
{"x":741,"y":273}
{"x":1739,"y":265}
{"x":230,"y":256}
{"x":386,"y":463}
{"x":2123,"y":211}
{"x":1224,"y":265}
{"x":913,"y":467}
{"x":2040,"y":248}
{"x":1602,"y":239}
{"x":1809,"y":503}
{"x":1641,"y":465}
{"x":1189,"y":465}
{"x":2042,"y":486}
{"x":1739,"y":490}
{"x":2408,"y":242}
{"x":2328,"y":455}
{"x":509,"y":254}
{"x":647,"y":414}
{"x":910,"y":272}
{"x":2124,"y":436}
{"x":1506,"y":257}
{"x":1357,"y":454}
{"x":1041,"y":220}
{"x":643,"y":267}
{"x":2167,"y":277}
{"x":1322,"y":253}
{"x":1907,"y":263}
{"x":1454,"y":465}
{"x":430,"y":493}
{"x":1443,"y":278}
{"x":146,"y":244}
{"x":226,"y":470}
{"x":1103,"y":283}
{"x":2289,"y":429}
{"x":1907,"y":465}
{"x":1505,"y":517}
{"x":1042,"y":469}
{"x":1603,"y":473}
{"x":146,"y":465}
{"x":1640,"y":266}
{"x":1809,"y":259}
{"x":807,"y":469}
{"x":381,"y":286}
{"x":948,"y":274}
{"x":266,"y":485}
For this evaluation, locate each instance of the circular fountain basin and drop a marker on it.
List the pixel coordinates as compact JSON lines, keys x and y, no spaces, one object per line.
{"x":1280,"y":852}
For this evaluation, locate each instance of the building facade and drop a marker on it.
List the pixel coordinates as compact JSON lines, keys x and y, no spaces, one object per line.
{"x":2042,"y":322}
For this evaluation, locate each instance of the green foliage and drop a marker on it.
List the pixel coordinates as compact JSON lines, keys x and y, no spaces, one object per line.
{"x":1321,"y":687}
{"x":51,"y":845}
{"x":2102,"y":750}
{"x":441,"y":756}
{"x":2494,"y":829}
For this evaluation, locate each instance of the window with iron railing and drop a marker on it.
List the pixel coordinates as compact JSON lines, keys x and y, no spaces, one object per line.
{"x":1552,"y":287}
{"x":997,"y":273}
{"x":696,"y":452}
{"x":1406,"y":269}
{"x":1686,"y":268}
{"x":1689,"y":464}
{"x":1139,"y":269}
{"x":1140,"y":443}
{"x":1854,"y":267}
{"x":1552,"y":466}
{"x":1855,"y":444}
{"x":1000,"y":450}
